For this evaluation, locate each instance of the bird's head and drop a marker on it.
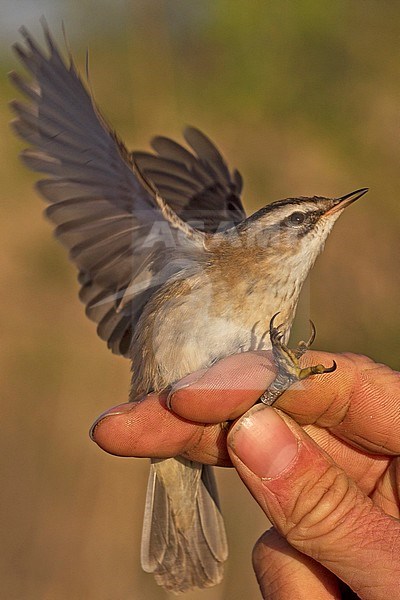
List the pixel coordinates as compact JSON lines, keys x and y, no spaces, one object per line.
{"x":291,"y":233}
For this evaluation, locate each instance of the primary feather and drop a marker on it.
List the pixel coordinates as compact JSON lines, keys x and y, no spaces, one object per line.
{"x":103,"y":213}
{"x":114,"y":210}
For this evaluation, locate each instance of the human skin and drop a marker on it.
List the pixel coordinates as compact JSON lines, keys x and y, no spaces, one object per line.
{"x":323,"y":464}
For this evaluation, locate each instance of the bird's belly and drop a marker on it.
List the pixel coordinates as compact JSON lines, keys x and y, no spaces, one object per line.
{"x":193,"y":335}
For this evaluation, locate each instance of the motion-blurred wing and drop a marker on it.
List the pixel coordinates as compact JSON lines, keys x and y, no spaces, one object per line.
{"x":197,"y":184}
{"x":103,"y":212}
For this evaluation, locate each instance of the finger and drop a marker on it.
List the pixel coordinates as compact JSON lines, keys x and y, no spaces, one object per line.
{"x":359,"y":402}
{"x":386,"y":492}
{"x":149,"y":429}
{"x":224,"y":391}
{"x":283,"y":572}
{"x":314,"y":505}
{"x":365,"y":468}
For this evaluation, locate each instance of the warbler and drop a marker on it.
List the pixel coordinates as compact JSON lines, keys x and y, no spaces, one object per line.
{"x":173,"y":273}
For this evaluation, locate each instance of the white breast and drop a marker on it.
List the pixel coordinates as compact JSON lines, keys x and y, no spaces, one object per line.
{"x":193,"y":331}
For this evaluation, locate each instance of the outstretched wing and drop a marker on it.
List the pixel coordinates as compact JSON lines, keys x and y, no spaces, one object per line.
{"x":197,"y":184}
{"x":106,"y":213}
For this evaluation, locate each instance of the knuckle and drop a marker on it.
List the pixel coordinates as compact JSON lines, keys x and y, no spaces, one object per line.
{"x":207,"y":445}
{"x":321,"y":511}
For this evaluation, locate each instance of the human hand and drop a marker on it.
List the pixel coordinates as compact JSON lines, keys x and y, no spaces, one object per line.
{"x":330,"y":486}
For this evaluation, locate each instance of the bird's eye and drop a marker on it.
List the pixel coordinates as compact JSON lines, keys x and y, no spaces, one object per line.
{"x":296,"y":218}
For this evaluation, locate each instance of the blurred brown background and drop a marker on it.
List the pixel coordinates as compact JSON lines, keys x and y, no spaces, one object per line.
{"x":303,"y":98}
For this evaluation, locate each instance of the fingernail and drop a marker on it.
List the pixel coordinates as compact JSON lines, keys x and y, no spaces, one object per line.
{"x":182,"y":384}
{"x":263,"y":442}
{"x":116,"y":410}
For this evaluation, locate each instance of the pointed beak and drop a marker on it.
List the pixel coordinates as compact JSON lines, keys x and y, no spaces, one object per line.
{"x":341,"y":203}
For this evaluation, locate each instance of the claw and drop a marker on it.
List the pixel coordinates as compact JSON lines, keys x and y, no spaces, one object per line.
{"x":275,"y":332}
{"x":286,"y":360}
{"x":332,"y":368}
{"x":302,"y":347}
{"x":316,"y":370}
{"x":312,"y":336}
{"x":271,"y":324}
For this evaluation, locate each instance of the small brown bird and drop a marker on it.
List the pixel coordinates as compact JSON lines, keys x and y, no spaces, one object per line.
{"x":173,"y":273}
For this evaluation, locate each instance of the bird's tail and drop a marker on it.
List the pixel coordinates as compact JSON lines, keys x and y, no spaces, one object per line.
{"x":183,"y":542}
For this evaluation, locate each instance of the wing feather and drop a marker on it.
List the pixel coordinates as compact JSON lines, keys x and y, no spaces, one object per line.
{"x":197,"y":184}
{"x":105,"y":201}
{"x":101,"y":206}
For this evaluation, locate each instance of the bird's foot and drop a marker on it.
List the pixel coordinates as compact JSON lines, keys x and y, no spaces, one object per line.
{"x":287,"y":361}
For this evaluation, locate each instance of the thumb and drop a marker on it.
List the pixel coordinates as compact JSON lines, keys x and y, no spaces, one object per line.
{"x":313,"y":503}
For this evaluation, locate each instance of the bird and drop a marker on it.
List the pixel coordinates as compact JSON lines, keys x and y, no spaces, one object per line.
{"x":172,"y":271}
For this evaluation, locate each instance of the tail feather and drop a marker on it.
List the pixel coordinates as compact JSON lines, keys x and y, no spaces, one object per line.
{"x":184,"y":542}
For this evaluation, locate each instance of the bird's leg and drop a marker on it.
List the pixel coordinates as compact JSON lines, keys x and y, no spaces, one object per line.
{"x":287,"y":361}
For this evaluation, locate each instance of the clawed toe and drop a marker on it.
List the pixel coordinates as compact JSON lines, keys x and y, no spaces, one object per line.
{"x":287,"y":361}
